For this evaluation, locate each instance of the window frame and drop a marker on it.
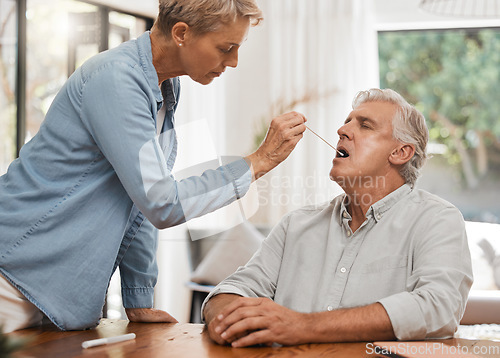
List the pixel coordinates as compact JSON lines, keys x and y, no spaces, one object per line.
{"x":21,"y":57}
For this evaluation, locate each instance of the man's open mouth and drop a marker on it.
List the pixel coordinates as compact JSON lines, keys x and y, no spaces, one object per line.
{"x":342,"y":153}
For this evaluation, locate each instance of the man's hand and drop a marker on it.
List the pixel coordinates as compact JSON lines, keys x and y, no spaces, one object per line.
{"x":213,"y":308}
{"x":242,"y":321}
{"x":250,"y":321}
{"x":284,"y":133}
{"x":149,"y":315}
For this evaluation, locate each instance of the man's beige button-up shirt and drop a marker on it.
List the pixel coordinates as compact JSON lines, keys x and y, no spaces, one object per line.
{"x":411,"y":255}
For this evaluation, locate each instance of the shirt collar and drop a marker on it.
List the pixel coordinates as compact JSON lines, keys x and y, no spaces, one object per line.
{"x":383,"y":205}
{"x":378,"y":209}
{"x":167,"y":90}
{"x":146,"y":61}
{"x":344,"y":214}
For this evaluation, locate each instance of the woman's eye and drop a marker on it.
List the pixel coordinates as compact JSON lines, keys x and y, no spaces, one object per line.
{"x":226,"y":50}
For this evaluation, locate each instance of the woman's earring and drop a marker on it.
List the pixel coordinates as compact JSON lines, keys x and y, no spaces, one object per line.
{"x":180,"y":45}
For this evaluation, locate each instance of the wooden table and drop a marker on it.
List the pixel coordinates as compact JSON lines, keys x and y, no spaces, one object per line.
{"x":186,"y":340}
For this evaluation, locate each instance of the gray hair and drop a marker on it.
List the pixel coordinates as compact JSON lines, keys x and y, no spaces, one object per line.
{"x":205,"y":15}
{"x":408,"y":126}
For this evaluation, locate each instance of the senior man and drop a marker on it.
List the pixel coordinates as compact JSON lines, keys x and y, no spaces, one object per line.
{"x":383,"y":261}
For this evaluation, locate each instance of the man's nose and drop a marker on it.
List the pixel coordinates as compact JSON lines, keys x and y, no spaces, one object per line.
{"x":344,"y":131}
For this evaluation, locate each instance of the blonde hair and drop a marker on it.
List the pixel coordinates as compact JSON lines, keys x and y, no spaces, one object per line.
{"x":205,"y":15}
{"x":408,"y":126}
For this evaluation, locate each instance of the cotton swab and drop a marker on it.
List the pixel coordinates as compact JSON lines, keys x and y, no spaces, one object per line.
{"x":317,"y":135}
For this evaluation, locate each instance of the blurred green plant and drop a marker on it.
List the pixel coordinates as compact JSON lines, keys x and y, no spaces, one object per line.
{"x":281,"y":106}
{"x":453,"y":77}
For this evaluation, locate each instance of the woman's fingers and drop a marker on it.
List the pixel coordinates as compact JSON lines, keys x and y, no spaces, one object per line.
{"x":285,"y":131}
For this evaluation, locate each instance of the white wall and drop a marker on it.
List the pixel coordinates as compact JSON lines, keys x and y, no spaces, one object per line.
{"x":406,"y":14}
{"x":247,"y":94}
{"x":145,"y":7}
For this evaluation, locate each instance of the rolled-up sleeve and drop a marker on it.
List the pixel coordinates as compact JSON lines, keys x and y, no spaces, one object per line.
{"x":139,"y":269}
{"x":439,"y":282}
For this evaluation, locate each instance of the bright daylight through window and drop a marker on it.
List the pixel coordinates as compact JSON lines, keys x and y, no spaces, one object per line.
{"x":453,"y":77}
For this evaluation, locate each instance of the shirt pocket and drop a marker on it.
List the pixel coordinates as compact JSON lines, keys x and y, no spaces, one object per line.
{"x":375,"y":280}
{"x":382,"y":264}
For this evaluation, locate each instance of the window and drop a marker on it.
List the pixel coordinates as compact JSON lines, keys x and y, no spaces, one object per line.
{"x":453,"y":77}
{"x":55,"y":37}
{"x":8,"y":66}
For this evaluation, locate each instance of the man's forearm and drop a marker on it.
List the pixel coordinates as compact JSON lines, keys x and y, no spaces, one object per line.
{"x":367,"y":323}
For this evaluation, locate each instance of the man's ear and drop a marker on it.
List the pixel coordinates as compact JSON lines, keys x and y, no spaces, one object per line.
{"x":402,"y":154}
{"x":179,"y":31}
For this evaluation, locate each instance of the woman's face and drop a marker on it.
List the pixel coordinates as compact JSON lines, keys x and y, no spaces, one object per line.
{"x":206,"y":56}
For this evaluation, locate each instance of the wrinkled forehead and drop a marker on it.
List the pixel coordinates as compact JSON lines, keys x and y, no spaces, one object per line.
{"x":376,"y":111}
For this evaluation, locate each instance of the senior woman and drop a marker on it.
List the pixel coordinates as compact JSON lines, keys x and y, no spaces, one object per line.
{"x":85,"y":192}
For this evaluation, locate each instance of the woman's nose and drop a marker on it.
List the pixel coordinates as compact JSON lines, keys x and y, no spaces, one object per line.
{"x":232,"y":60}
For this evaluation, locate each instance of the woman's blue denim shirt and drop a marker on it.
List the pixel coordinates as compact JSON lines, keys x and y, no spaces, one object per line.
{"x":72,"y":206}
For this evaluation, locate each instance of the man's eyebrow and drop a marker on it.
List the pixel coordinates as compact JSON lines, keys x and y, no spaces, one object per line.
{"x":365,"y":119}
{"x":359,"y":118}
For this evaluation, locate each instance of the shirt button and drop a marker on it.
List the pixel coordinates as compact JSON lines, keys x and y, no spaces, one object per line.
{"x":343,"y":270}
{"x":329,"y":308}
{"x":348,"y":233}
{"x":379,"y":216}
{"x":344,"y":214}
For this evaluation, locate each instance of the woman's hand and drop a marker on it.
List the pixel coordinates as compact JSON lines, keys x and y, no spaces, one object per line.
{"x":284,"y":133}
{"x":149,"y":315}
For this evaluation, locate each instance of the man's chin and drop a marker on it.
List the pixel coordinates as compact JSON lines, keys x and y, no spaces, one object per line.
{"x":335,"y":172}
{"x":335,"y":177}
